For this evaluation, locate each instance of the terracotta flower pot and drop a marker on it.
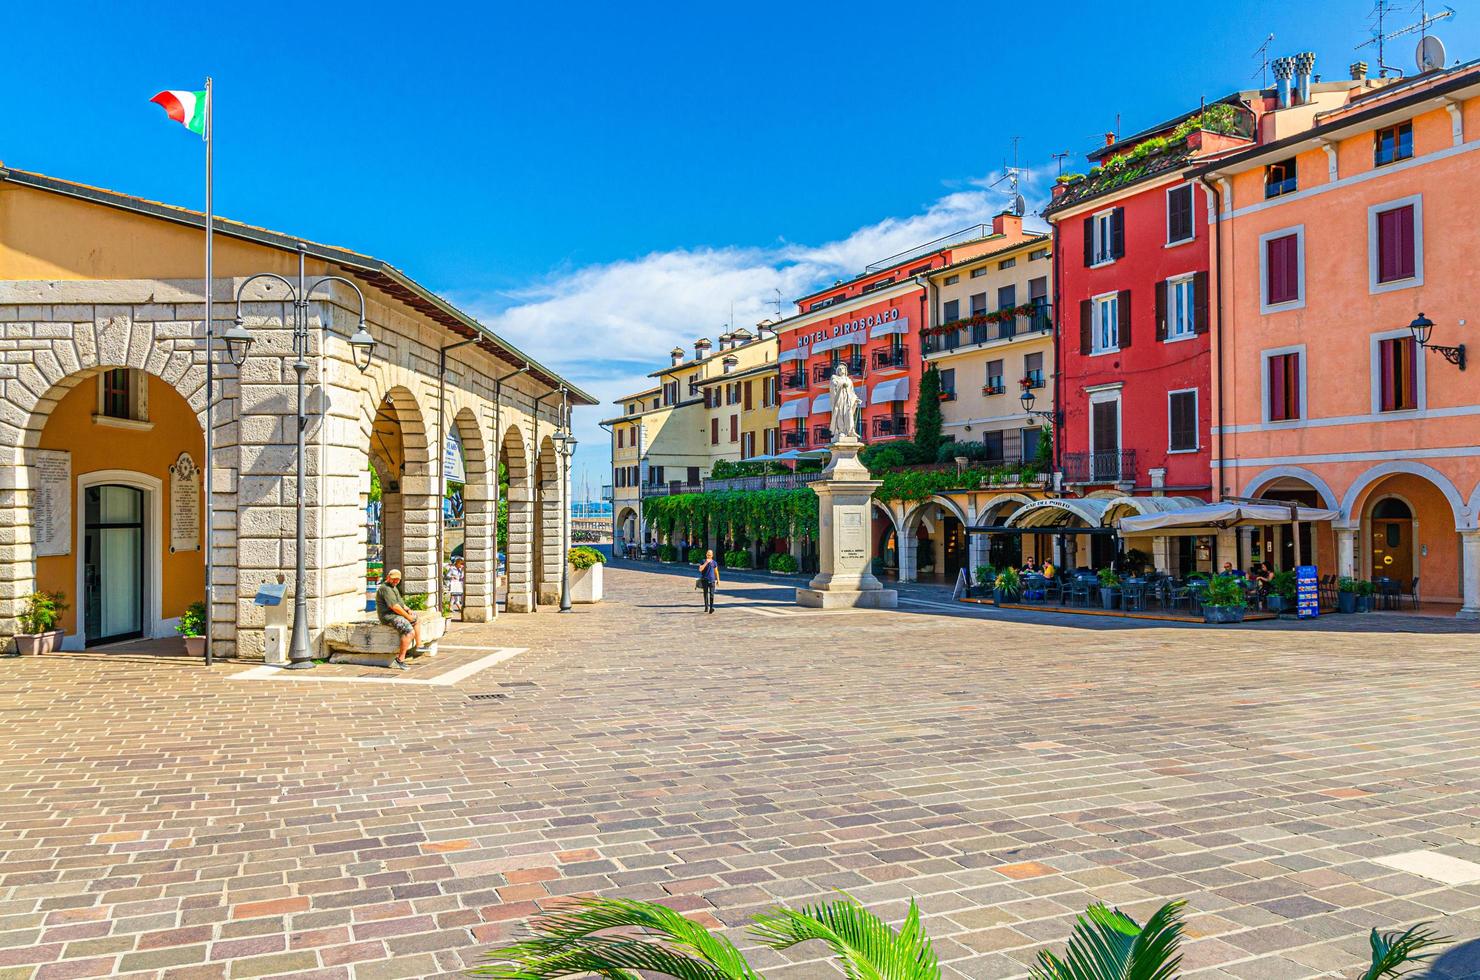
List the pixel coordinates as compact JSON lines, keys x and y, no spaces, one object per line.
{"x":37,"y":644}
{"x":195,"y":646}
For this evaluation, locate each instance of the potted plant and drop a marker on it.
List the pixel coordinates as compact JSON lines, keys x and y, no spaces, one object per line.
{"x":1365,"y":589}
{"x":986,"y":579}
{"x":783,"y":564}
{"x":585,"y":573}
{"x":1346,"y":594}
{"x":192,"y":626}
{"x":1109,"y":586}
{"x":1224,"y":600}
{"x":1281,"y":592}
{"x":38,"y":619}
{"x":1009,"y":585}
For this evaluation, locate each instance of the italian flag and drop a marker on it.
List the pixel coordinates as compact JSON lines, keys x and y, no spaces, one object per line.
{"x":187,"y":108}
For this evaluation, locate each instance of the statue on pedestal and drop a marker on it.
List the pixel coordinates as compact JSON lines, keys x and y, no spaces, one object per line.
{"x":845,"y":403}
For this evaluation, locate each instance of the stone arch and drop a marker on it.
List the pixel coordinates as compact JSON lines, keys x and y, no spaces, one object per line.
{"x":480,"y":520}
{"x":1265,"y":477}
{"x":549,"y":524}
{"x":886,"y":538}
{"x":1351,"y":502}
{"x":625,"y":529}
{"x":396,"y":442}
{"x":909,"y":526}
{"x":34,"y":393}
{"x":519,"y":550}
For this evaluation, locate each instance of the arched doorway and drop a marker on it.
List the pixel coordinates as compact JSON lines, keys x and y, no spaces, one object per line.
{"x":624,"y":530}
{"x":475,"y":500}
{"x":402,"y":522}
{"x":886,"y":542}
{"x":548,"y":525}
{"x":518,"y":523}
{"x":1391,"y":541}
{"x":123,"y":543}
{"x":934,"y":542}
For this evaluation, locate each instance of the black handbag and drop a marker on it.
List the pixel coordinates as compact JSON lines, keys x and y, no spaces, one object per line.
{"x":699,"y":583}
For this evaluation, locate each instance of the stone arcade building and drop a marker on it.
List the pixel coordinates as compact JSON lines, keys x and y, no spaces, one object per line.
{"x":103,"y":407}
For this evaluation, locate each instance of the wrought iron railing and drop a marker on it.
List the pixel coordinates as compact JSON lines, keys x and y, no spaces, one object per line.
{"x":959,"y":333}
{"x":795,"y":379}
{"x":794,"y":438}
{"x":771,"y":481}
{"x":1106,"y":466}
{"x":821,"y":435}
{"x":891,"y":357}
{"x":668,"y":489}
{"x":897,"y":425}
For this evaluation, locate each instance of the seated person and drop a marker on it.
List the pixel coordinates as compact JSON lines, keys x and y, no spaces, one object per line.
{"x":1030,"y":567}
{"x":1228,"y":569}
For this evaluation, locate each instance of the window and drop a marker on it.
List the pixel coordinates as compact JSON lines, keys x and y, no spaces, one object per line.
{"x":951,"y":280}
{"x":749,"y":399}
{"x":1395,"y":244}
{"x":123,"y":397}
{"x":992,"y":443}
{"x":1037,"y":253}
{"x":714,"y":432}
{"x":978,"y":273}
{"x":1028,"y":442}
{"x":1007,"y":263}
{"x":1033,"y":369}
{"x":747,"y":445}
{"x":1106,"y":324}
{"x":1104,"y":237}
{"x":1180,"y":316}
{"x":978,"y":303}
{"x":919,"y":269}
{"x":770,"y":442}
{"x":994,"y":379}
{"x":1182,"y":421}
{"x":1283,"y":385}
{"x":1393,"y":144}
{"x":621,"y":438}
{"x":1282,"y":269}
{"x":1180,"y":226}
{"x":948,"y":382}
{"x":1397,"y":374}
{"x":734,"y":428}
{"x":951,"y":311}
{"x":1006,"y":297}
{"x":1279,"y":178}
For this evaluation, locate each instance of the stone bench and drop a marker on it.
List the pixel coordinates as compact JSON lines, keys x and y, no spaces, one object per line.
{"x":371,"y":643}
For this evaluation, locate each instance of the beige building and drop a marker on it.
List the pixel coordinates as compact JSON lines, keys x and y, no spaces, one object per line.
{"x":719,"y":404}
{"x":991,"y":337}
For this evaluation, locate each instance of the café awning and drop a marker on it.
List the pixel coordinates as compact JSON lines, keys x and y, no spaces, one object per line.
{"x":1058,"y":512}
{"x":1214,"y":517}
{"x":897,"y":390}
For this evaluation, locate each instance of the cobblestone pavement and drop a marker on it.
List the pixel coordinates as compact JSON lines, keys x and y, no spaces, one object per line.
{"x":161,"y":819}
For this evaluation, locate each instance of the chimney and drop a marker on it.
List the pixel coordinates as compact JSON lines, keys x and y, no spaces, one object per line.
{"x":724,"y":341}
{"x":1008,"y":224}
{"x":1284,"y":70}
{"x":701,"y":348}
{"x":1359,"y":71}
{"x":1305,"y":63}
{"x":1109,"y":139}
{"x":677,"y":355}
{"x":738,"y":337}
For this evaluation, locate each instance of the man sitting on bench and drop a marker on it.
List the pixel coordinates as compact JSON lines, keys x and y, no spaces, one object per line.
{"x":391,"y":609}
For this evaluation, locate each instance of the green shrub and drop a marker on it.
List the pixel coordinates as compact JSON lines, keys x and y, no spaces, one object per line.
{"x":192,"y":620}
{"x":583,"y":557}
{"x":1010,"y":583}
{"x":783,"y":563}
{"x":695,"y":554}
{"x":416,"y":601}
{"x":41,"y":611}
{"x":1365,"y":588}
{"x":1108,"y":578}
{"x":667,"y":552}
{"x":1225,"y":591}
{"x":738,"y":559}
{"x":887,"y":456}
{"x":1282,"y":584}
{"x":986,"y":576}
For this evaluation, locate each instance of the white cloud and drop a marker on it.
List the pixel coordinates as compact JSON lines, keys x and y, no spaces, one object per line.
{"x":606,"y":326}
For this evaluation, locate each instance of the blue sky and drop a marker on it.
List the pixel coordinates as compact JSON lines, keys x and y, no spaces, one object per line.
{"x":600,"y":181}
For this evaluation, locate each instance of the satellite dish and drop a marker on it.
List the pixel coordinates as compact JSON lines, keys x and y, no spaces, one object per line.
{"x":1430,"y":53}
{"x":1019,"y":206}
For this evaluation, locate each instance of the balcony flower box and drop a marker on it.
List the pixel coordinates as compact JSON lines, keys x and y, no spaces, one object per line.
{"x":994,"y":389}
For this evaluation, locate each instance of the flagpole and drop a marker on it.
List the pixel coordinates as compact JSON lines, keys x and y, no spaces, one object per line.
{"x":210,"y":389}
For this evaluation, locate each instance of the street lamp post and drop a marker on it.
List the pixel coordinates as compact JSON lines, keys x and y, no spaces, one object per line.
{"x":362,"y":348}
{"x":567,"y":441}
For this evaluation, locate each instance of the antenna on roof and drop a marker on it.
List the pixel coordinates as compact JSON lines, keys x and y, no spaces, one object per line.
{"x":1010,"y":176}
{"x":1262,"y":53}
{"x":778,"y":302}
{"x":1059,"y":158}
{"x":1381,"y":11}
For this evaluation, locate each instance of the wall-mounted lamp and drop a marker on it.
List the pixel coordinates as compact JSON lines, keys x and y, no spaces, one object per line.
{"x":1422,"y":328}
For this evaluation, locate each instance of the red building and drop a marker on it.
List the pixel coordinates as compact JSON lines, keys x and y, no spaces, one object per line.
{"x":871,"y":323}
{"x":1131,"y":247}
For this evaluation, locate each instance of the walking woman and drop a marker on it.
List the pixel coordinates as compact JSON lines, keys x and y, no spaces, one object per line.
{"x":709,"y":579}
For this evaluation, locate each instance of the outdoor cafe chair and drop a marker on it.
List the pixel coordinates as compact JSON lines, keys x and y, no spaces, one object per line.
{"x":1132,"y":595}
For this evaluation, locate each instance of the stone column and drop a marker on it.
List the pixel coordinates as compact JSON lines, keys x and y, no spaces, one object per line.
{"x":1227,"y":548}
{"x":519,"y":555}
{"x":420,"y":512}
{"x":1161,"y":553}
{"x":1470,"y":571}
{"x":479,"y":557}
{"x":1346,"y":551}
{"x":845,"y":542}
{"x":908,"y":562}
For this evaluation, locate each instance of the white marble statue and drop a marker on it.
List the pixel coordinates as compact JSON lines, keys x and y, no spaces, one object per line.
{"x":844,"y":406}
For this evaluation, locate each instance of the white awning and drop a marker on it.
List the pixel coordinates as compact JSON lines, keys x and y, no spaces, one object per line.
{"x":822,"y":404}
{"x":1214,"y":516}
{"x":902,"y":325}
{"x":896,"y":390}
{"x":794,"y":409}
{"x":1058,"y":512}
{"x":795,"y":354}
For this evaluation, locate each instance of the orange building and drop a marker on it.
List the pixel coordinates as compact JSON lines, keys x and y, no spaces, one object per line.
{"x":1329,"y":244}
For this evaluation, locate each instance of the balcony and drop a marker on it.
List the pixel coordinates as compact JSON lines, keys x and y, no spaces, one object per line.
{"x":897,"y":425}
{"x":794,"y":380}
{"x":771,"y":481}
{"x":986,"y":328}
{"x":794,"y":438}
{"x":891,"y":357}
{"x":1105,"y":466}
{"x":671,"y":488}
{"x":821,"y":372}
{"x":994,"y":387}
{"x":822,"y":435}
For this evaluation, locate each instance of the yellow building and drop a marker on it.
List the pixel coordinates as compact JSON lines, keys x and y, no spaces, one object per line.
{"x":991,"y":337}
{"x":719,"y":404}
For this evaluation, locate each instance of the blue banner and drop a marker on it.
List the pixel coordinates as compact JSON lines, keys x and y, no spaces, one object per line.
{"x":1307,"y":592}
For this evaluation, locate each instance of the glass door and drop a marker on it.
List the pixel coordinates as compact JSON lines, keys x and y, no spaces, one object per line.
{"x":113,"y":563}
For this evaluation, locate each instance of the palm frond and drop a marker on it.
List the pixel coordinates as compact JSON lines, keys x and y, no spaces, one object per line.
{"x":868,"y":947}
{"x":1107,"y":944}
{"x":1394,"y":950}
{"x":565,"y":943}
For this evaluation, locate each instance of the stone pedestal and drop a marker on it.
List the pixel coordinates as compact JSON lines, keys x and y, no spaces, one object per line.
{"x":844,"y":540}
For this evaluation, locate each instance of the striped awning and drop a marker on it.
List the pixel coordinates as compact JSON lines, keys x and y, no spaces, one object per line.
{"x":902,"y":325}
{"x":895,"y":390}
{"x":794,"y":409}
